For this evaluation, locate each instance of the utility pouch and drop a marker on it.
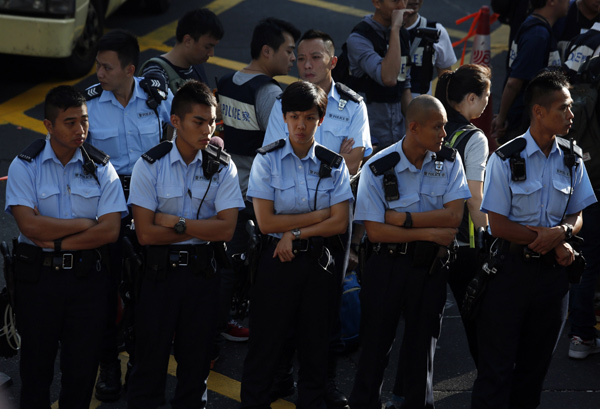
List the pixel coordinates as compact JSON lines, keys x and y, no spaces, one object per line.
{"x":155,"y":262}
{"x":28,"y":263}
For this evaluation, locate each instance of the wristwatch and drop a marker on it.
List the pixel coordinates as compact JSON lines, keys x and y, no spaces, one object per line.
{"x":180,"y":226}
{"x":568,"y":231}
{"x":408,"y":221}
{"x":296,"y":233}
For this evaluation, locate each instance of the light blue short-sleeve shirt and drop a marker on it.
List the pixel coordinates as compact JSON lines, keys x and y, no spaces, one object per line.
{"x":125,"y":133}
{"x":541,"y":199}
{"x":420,"y":190}
{"x":172,"y":187}
{"x":292,"y":183}
{"x":63,"y":192}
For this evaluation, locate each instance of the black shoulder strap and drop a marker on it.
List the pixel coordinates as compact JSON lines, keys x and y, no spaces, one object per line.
{"x":379,"y":43}
{"x":511,"y":148}
{"x":565,"y":145}
{"x":271,"y":147}
{"x":98,"y":156}
{"x":33,"y":150}
{"x":158,"y":151}
{"x":212,"y":158}
{"x":347,"y":93}
{"x":93,"y":92}
{"x":446,"y":153}
{"x":329,"y":160}
{"x":381,"y":165}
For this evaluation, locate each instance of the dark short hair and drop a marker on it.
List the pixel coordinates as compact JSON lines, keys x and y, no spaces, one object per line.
{"x":61,"y":98}
{"x":302,"y":96}
{"x":192,"y":92}
{"x":537,"y":4}
{"x":540,"y":89}
{"x":317,"y":34}
{"x":454,"y":86}
{"x":270,"y":32}
{"x":124,"y":43}
{"x":198,"y":22}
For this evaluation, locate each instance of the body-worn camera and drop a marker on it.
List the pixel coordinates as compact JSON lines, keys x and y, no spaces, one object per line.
{"x":431,"y":35}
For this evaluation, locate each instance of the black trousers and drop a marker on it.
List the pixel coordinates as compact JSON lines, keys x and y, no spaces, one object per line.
{"x":392,"y":287}
{"x":179,"y":310}
{"x":66,"y":308}
{"x":520,"y":320}
{"x":286,"y":297}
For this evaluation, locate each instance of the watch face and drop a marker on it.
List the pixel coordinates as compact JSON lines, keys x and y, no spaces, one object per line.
{"x":180,"y":227}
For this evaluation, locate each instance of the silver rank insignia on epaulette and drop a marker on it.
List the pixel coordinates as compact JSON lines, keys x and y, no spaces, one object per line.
{"x":342,"y":104}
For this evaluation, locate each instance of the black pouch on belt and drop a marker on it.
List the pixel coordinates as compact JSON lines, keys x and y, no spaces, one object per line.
{"x":28,"y":263}
{"x":155,"y":262}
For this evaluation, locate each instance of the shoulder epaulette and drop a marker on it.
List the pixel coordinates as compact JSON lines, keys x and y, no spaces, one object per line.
{"x":33,"y":150}
{"x":217,"y":153}
{"x":347,"y":92}
{"x":510,"y":148}
{"x":381,"y":165}
{"x":446,"y":153}
{"x":93,"y":92}
{"x":328,"y":156}
{"x":271,"y":147}
{"x":565,"y":145}
{"x":158,"y":151}
{"x":98,"y":156}
{"x":156,"y":88}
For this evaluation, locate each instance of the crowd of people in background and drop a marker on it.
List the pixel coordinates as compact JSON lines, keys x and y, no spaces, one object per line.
{"x":131,"y":188}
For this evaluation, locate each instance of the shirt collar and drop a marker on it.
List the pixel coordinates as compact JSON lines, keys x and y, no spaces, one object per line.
{"x":532,"y":146}
{"x":405,"y":163}
{"x":175,"y":155}
{"x":48,"y":154}
{"x":138,"y":92}
{"x":288,"y":150}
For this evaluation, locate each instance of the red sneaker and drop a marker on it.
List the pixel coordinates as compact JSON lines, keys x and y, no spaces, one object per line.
{"x":235,"y":332}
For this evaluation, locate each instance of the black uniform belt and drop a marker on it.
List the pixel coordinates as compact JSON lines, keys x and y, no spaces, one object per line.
{"x":184,"y":255}
{"x":333,"y":243}
{"x":125,"y":180}
{"x":526,"y":253}
{"x":67,"y":260}
{"x":395,"y":249}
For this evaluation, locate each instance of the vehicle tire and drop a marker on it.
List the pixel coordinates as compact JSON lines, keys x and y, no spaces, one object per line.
{"x":81,"y":61}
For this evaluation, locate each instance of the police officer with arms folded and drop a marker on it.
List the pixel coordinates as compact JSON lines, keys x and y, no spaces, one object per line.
{"x":535,"y":189}
{"x":67,"y":201}
{"x":301,"y":194}
{"x":128,"y":115}
{"x":184,"y":195}
{"x":410,"y":198}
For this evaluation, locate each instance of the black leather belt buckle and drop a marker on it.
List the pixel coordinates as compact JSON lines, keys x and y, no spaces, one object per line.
{"x":63,"y":261}
{"x":528,"y":254}
{"x":300,"y":246}
{"x":179,"y":258}
{"x":402,"y":248}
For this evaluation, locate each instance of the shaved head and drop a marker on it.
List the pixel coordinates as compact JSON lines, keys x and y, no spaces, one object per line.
{"x":422,"y":107}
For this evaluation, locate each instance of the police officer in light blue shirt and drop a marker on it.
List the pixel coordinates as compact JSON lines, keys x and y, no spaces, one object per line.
{"x":301,"y":194}
{"x":534,"y":191}
{"x":127,"y":115}
{"x":185,"y":194}
{"x":67,"y":201}
{"x":411,"y":199}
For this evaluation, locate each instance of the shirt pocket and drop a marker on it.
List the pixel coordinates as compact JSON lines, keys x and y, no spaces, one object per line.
{"x":432,"y":196}
{"x":559,"y":195}
{"x":284,"y":195}
{"x":107,"y":140}
{"x":322,"y":188}
{"x":526,"y":198}
{"x":170,"y":199}
{"x":149,"y":134}
{"x":48,"y":200}
{"x":201,"y":189}
{"x":85,"y":196}
{"x":405,"y":202}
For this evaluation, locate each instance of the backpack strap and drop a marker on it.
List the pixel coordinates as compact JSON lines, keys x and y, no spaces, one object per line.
{"x":93,"y":92}
{"x":385,"y":166}
{"x":271,"y":147}
{"x":33,"y":150}
{"x":329,"y":160}
{"x":158,"y":152}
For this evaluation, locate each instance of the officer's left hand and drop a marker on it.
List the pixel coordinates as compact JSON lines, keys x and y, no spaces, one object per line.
{"x":284,"y":248}
{"x":547,"y":238}
{"x":564,"y":254}
{"x":347,"y":145}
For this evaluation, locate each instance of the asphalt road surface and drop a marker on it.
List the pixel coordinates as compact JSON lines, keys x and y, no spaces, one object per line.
{"x":25,"y":81}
